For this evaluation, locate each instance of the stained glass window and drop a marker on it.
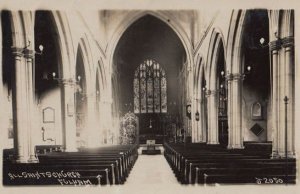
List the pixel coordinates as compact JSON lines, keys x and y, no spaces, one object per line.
{"x":150,"y":88}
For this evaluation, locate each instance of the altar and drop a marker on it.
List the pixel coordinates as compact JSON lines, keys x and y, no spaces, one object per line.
{"x":151,"y":148}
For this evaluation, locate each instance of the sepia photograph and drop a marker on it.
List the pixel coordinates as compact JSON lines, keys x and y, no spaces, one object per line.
{"x":149,"y":97}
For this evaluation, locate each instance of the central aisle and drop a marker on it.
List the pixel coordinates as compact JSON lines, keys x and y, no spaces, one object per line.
{"x":151,"y":169}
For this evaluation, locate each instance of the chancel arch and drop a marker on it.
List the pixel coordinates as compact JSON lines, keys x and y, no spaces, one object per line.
{"x":168,"y":20}
{"x":151,"y":57}
{"x":161,"y":15}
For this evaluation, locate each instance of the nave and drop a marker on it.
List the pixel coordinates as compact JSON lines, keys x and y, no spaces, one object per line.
{"x":79,"y":99}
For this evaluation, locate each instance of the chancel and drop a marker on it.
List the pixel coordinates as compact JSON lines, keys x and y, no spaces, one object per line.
{"x":107,"y":97}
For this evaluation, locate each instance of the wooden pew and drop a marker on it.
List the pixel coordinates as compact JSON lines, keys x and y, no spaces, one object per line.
{"x":193,"y":172}
{"x":244,"y":175}
{"x":109,"y":165}
{"x":117,"y":160}
{"x":191,"y":162}
{"x":36,"y":174}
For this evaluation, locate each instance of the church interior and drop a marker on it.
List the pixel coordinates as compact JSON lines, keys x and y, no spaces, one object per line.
{"x":121,"y":97}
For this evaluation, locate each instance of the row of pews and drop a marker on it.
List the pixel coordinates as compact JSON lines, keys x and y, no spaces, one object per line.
{"x":200,"y":163}
{"x":89,"y":166}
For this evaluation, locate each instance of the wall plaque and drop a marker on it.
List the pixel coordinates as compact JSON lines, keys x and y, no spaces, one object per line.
{"x":48,"y":115}
{"x":256,"y":111}
{"x":257,"y":129}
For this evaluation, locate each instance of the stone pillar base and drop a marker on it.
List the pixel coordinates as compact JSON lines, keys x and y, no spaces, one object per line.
{"x":21,"y":159}
{"x":33,"y":159}
{"x":213,"y":142}
{"x":235,"y":146}
{"x":278,"y":155}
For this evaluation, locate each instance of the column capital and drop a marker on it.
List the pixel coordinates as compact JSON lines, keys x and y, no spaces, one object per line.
{"x":28,"y":54}
{"x":69,"y":81}
{"x":23,"y":52}
{"x":234,"y":76}
{"x":207,"y":93}
{"x":275,"y":45}
{"x":229,"y":77}
{"x":237,"y":76}
{"x":17,"y":52}
{"x":211,"y":93}
{"x":287,"y":41}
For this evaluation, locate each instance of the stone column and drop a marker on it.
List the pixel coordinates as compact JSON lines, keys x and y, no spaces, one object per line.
{"x":229,"y":105}
{"x":281,"y":105}
{"x":102,"y":122}
{"x":288,"y":45}
{"x":274,"y":47}
{"x":236,"y":131}
{"x":29,"y":55}
{"x":68,"y":115}
{"x":194,"y":122}
{"x":94,"y":134}
{"x":189,"y":97}
{"x":20,"y":97}
{"x":105,"y":118}
{"x":213,"y":134}
{"x":199,"y":123}
{"x":285,"y":87}
{"x":203,"y":118}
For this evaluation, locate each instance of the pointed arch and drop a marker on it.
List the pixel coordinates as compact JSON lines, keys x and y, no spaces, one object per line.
{"x":161,"y":15}
{"x":198,"y":128}
{"x":65,"y":42}
{"x":88,"y":63}
{"x":215,"y":46}
{"x":234,"y":41}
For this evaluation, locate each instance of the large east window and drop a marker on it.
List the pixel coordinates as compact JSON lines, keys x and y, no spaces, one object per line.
{"x":150,"y":88}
